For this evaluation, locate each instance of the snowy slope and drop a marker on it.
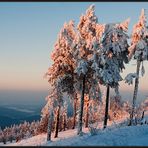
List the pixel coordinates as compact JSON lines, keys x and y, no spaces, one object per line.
{"x":124,"y":136}
{"x":113,"y":135}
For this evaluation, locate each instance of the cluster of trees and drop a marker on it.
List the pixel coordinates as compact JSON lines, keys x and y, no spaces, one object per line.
{"x":87,"y":57}
{"x":19,"y":132}
{"x":93,"y":112}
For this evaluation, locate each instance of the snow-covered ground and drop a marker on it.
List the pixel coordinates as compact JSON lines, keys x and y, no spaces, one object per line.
{"x":123,"y":136}
{"x":114,"y":135}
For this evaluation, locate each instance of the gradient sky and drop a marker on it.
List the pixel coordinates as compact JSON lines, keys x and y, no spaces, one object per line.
{"x":28,"y":32}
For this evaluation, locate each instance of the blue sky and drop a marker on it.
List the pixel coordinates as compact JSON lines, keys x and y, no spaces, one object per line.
{"x":28,"y":32}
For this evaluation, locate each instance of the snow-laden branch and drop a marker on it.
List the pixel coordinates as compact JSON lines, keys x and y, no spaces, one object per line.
{"x":129,"y":78}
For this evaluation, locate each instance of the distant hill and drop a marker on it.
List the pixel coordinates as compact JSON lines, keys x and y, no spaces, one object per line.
{"x":10,"y":116}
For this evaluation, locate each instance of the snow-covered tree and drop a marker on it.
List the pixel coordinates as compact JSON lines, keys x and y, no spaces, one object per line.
{"x":83,"y":53}
{"x":62,"y":70}
{"x":4,"y":137}
{"x":69,"y":34}
{"x":126,"y":106}
{"x":113,"y":55}
{"x":42,"y":128}
{"x":138,"y":50}
{"x":129,"y":78}
{"x":144,"y":104}
{"x":48,"y":112}
{"x":62,"y":56}
{"x":56,"y":73}
{"x":13,"y":130}
{"x":58,"y":102}
{"x":55,"y":101}
{"x":10,"y":136}
{"x":116,"y":110}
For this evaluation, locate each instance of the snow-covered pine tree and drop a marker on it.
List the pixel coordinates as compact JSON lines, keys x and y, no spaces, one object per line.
{"x":116,"y":111}
{"x":54,"y":103}
{"x":10,"y":135}
{"x":95,"y":91}
{"x":138,"y":49}
{"x":126,"y":106}
{"x":92,"y":89}
{"x":4,"y":137}
{"x":92,"y":94}
{"x":58,"y":103}
{"x":62,"y":70}
{"x":112,"y":57}
{"x":61,"y":55}
{"x":32,"y":128}
{"x":83,"y":53}
{"x":86,"y":101}
{"x":13,"y":132}
{"x":5,"y":131}
{"x":42,"y":128}
{"x":144,"y":104}
{"x":69,"y":34}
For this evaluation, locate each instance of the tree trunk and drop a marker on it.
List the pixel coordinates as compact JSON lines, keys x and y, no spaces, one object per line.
{"x":79,"y":132}
{"x":135,"y":92}
{"x":87,"y":114}
{"x":60,"y":125}
{"x":75,"y":109}
{"x":106,"y":107}
{"x":142,"y":115}
{"x":64,"y":122}
{"x":49,"y":129}
{"x":57,"y":122}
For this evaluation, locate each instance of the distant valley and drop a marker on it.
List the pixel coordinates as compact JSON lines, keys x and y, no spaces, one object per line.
{"x":13,"y":115}
{"x":18,"y":106}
